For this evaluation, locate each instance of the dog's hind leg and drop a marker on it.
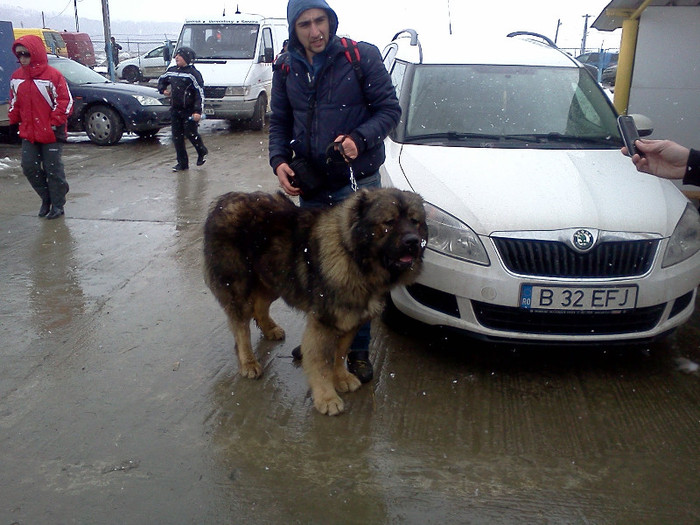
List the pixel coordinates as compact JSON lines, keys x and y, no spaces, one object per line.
{"x":318,"y":347}
{"x":248,"y":366}
{"x":343,"y":380}
{"x":261,"y":313}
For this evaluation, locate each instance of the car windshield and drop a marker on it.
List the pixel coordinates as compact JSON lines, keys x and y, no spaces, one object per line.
{"x":235,"y":41}
{"x":77,"y":73}
{"x":509,"y":106}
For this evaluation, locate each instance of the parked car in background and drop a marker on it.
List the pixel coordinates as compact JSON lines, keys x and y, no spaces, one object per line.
{"x":80,"y":48}
{"x":597,"y":62}
{"x":540,"y":230}
{"x":609,"y":75}
{"x":105,"y":110}
{"x":151,"y":64}
{"x":55,"y":45}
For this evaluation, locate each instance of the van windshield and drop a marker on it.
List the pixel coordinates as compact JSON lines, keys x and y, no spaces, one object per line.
{"x":235,"y":41}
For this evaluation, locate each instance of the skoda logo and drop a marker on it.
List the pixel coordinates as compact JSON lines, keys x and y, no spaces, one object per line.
{"x":583,"y":240}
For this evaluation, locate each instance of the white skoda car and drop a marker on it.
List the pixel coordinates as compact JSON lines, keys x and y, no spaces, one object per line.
{"x":540,"y":229}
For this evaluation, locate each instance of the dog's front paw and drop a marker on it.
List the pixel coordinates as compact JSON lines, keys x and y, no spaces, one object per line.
{"x":331,"y":405}
{"x":251,"y":370}
{"x":344,"y":381}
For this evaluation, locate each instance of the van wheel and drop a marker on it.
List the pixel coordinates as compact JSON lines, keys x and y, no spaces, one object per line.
{"x":131,"y":74}
{"x":258,"y":120}
{"x":103,"y":125}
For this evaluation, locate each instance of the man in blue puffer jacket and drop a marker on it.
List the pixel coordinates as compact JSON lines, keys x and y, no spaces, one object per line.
{"x":318,"y":99}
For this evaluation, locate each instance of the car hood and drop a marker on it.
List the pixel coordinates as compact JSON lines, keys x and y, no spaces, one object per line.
{"x":117,"y":88}
{"x":499,"y":190}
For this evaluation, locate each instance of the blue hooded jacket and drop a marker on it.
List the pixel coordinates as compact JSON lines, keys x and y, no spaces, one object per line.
{"x":339,"y":105}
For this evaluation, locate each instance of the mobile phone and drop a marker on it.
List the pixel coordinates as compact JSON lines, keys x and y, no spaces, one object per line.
{"x":628,"y":130}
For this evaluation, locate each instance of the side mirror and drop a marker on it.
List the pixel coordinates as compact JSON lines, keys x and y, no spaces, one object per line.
{"x":269,"y":55}
{"x":645,"y":126}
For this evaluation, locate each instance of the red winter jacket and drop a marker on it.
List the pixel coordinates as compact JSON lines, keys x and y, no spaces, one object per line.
{"x":39,"y":95}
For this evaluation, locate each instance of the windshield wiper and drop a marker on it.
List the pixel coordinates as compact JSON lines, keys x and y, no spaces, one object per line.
{"x":454,"y":135}
{"x":560,"y":137}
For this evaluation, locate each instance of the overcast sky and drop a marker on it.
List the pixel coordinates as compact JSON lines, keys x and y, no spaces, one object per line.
{"x":377,"y":20}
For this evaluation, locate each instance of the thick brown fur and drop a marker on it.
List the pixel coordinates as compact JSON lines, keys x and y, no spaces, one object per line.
{"x":335,"y":264}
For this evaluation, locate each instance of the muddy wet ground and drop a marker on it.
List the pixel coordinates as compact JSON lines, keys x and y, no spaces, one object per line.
{"x":120,"y":400}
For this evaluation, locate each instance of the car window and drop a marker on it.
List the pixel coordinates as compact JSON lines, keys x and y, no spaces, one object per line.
{"x":236,"y":41}
{"x":77,"y":73}
{"x":507,"y":100}
{"x":397,"y":75}
{"x":156,"y":53}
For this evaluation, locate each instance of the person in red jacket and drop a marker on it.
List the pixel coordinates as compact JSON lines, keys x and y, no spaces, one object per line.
{"x":40,"y":102}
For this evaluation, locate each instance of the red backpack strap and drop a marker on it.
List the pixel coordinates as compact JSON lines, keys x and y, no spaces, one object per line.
{"x":352,"y":53}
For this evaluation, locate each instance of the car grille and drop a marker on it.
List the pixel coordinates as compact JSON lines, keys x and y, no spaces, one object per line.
{"x":556,"y":259}
{"x":512,"y":319}
{"x":214,"y":91}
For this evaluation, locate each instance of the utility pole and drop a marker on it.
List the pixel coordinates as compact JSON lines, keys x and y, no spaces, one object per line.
{"x":449,"y":17}
{"x":556,"y":34}
{"x":75,"y":8}
{"x":585,"y":32}
{"x":108,"y":41}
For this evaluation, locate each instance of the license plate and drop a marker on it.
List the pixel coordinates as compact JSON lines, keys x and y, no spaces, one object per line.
{"x":583,"y":298}
{"x":208,"y":111}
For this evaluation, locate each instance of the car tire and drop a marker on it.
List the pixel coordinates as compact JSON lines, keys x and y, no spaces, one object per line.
{"x":258,"y":120}
{"x":131,"y":74}
{"x":103,"y":125}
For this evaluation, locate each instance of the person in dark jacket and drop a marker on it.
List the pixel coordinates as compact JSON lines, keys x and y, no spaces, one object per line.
{"x":667,"y":159}
{"x":115,"y":51}
{"x":40,"y":102}
{"x":318,"y":99}
{"x":185,"y":85}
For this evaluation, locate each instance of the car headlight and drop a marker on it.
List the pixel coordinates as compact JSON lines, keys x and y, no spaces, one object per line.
{"x":449,"y":236}
{"x":685,"y":240}
{"x":237,"y":91}
{"x":146,"y":100}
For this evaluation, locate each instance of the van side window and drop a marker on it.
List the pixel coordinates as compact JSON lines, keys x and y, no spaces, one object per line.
{"x":266,"y":53}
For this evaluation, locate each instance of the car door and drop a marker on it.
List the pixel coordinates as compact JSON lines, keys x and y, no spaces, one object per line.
{"x":153,"y":64}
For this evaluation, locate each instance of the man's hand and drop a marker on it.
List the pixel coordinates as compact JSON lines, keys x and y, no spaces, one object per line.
{"x":347,"y":148}
{"x":196,"y":117}
{"x":285,"y":174}
{"x":663,"y":158}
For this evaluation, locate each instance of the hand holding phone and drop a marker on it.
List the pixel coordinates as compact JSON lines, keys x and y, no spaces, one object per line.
{"x":628,"y":130}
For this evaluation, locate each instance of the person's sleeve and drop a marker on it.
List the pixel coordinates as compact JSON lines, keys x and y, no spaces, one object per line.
{"x":13,"y":110}
{"x":199,"y":89}
{"x":381,"y":99}
{"x":692,"y":169}
{"x":281,"y":122}
{"x":64,"y":101}
{"x":163,"y":81}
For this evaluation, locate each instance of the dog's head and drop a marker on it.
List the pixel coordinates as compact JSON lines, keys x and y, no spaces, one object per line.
{"x":387,"y":233}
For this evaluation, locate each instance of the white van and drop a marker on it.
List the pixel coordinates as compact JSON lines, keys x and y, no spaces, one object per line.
{"x":235,"y":55}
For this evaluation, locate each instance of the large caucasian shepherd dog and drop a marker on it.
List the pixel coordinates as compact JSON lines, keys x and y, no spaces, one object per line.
{"x":335,"y":264}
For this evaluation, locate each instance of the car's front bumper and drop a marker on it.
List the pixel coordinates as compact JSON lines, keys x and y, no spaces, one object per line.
{"x":147,"y":117}
{"x":485,"y":301}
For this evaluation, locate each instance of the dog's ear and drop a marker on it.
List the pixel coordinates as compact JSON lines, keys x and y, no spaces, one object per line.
{"x":357,"y":207}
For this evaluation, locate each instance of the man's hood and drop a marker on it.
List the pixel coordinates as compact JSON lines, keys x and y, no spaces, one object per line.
{"x":37,"y":49}
{"x":297,"y":7}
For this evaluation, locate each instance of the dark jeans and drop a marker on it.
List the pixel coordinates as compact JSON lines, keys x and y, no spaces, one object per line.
{"x":182,"y":127}
{"x":43,"y":167}
{"x":323,"y":199}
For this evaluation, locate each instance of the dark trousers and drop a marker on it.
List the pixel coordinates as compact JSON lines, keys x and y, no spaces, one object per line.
{"x":182,"y":127}
{"x":324,"y":199}
{"x":43,"y":167}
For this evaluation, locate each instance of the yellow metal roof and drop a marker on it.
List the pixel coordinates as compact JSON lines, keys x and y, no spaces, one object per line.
{"x":617,"y":11}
